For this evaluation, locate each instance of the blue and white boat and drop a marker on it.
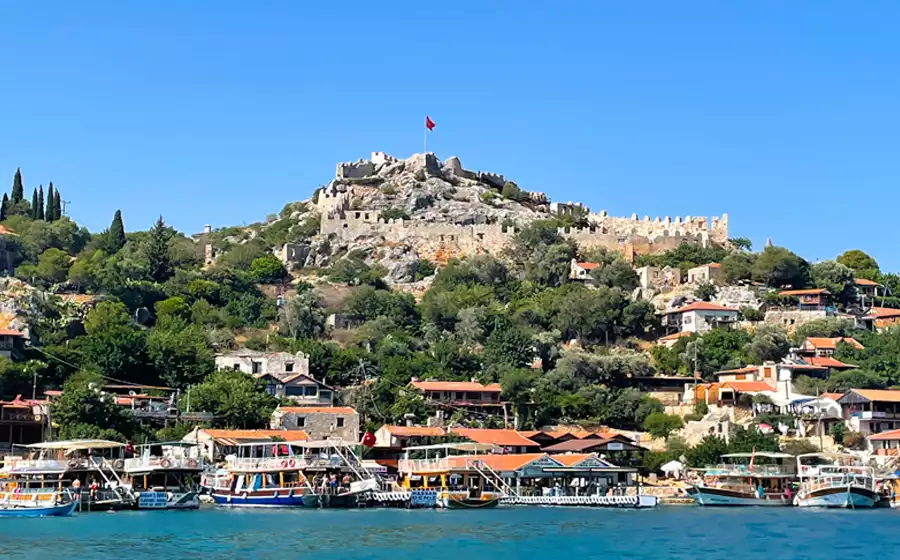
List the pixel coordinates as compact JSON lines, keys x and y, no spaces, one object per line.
{"x":747,"y":479}
{"x":833,"y":480}
{"x":34,"y":504}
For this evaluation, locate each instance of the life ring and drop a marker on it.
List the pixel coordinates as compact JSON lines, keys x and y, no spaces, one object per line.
{"x":292,"y":462}
{"x":192,"y":463}
{"x":118,"y":464}
{"x":72,"y":464}
{"x":165,"y":463}
{"x":284,"y":463}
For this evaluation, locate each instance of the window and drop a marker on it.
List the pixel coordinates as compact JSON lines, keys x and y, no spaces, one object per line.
{"x":289,"y":367}
{"x":325,"y":395}
{"x":236,"y":367}
{"x":340,"y":422}
{"x":255,"y":367}
{"x":293,"y":391}
{"x":301,"y":421}
{"x":270,"y":388}
{"x":687,"y":319}
{"x":460,"y":395}
{"x":310,"y":391}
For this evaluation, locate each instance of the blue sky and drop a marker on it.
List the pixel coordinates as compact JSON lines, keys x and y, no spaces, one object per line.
{"x":783,"y":114}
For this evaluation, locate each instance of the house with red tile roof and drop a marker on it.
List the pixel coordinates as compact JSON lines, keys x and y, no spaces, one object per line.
{"x":510,"y":440}
{"x":867,"y":290}
{"x":581,"y":270}
{"x":812,"y":299}
{"x":871,"y":411}
{"x":882,"y":317}
{"x":700,"y":317}
{"x":461,"y":394}
{"x":706,"y":274}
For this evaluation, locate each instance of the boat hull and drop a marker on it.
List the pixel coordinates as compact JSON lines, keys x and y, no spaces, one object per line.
{"x":720,"y":497}
{"x":283,"y":499}
{"x":852,"y":497}
{"x":453,"y":500}
{"x":63,"y":510}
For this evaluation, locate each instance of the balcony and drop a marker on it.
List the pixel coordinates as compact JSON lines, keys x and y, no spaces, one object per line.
{"x":875,"y":415}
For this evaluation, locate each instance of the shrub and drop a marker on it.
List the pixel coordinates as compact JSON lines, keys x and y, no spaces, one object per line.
{"x":393,"y":214}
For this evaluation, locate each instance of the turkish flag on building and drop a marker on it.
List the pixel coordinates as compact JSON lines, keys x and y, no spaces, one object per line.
{"x":429,"y":124}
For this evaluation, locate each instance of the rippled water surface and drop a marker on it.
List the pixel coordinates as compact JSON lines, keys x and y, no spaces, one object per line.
{"x":500,"y":534}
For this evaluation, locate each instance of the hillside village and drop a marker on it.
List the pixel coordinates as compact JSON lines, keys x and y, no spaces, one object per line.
{"x":418,"y":301}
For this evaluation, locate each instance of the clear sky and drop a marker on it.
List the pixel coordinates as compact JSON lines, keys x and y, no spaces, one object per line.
{"x":782,"y":114}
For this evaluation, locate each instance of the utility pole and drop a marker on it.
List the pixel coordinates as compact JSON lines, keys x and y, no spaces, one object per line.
{"x":64,"y":204}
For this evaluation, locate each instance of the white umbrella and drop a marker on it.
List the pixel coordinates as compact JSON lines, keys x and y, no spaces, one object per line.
{"x":672,"y":468}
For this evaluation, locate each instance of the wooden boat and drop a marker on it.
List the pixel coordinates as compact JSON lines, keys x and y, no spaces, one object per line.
{"x":34,"y":504}
{"x":292,"y":474}
{"x":458,"y":482}
{"x":747,"y":479}
{"x":90,"y":469}
{"x":166,"y":476}
{"x":833,"y":480}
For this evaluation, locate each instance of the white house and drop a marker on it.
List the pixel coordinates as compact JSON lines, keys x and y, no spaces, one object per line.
{"x":700,"y":316}
{"x":581,"y":270}
{"x":282,"y":365}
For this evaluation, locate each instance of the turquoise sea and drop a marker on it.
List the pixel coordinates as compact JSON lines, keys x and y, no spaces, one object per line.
{"x":682,"y":532}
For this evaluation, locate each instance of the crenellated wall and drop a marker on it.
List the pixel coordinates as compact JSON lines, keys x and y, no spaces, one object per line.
{"x":440,"y":242}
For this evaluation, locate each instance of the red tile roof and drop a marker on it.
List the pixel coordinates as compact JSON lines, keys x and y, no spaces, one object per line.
{"x":886,"y":436}
{"x":832,"y":396}
{"x":884,"y":312}
{"x":865,"y":282}
{"x":10,"y":332}
{"x":879,"y":395}
{"x":472,"y":386}
{"x":415,"y":431}
{"x":747,"y":369}
{"x":587,"y":265}
{"x":674,"y":336}
{"x":807,"y":292}
{"x":827,"y":361}
{"x":502,"y":438}
{"x":572,"y":459}
{"x":748,"y":386}
{"x":831,"y":343}
{"x":6,"y":231}
{"x":316,"y":409}
{"x":501,"y":463}
{"x":702,"y":306}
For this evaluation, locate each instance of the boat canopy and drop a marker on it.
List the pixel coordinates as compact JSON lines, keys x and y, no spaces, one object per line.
{"x":826,"y":456}
{"x":769,"y":454}
{"x":77,"y":444}
{"x":169,"y":444}
{"x":461,"y":446}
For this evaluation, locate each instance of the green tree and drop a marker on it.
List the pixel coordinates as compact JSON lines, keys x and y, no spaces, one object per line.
{"x":40,"y":205}
{"x":835,"y":277}
{"x":53,"y":265}
{"x":302,"y":317}
{"x":115,"y":237}
{"x":512,"y":191}
{"x":769,"y":344}
{"x":114,"y":344}
{"x":741,"y":243}
{"x":18,"y":191}
{"x":236,"y":399}
{"x":508,"y":347}
{"x":175,"y":307}
{"x":50,"y":210}
{"x":179,"y":352}
{"x":542,"y":252}
{"x":858,"y":261}
{"x":706,"y":291}
{"x":4,"y":207}
{"x":827,"y":327}
{"x":34,"y":204}
{"x":707,"y":452}
{"x":660,"y":424}
{"x":517,"y":386}
{"x":158,"y":251}
{"x":267,"y":270}
{"x":777,"y":267}
{"x":84,"y":410}
{"x":738,"y":267}
{"x":57,"y":206}
{"x":389,"y":214}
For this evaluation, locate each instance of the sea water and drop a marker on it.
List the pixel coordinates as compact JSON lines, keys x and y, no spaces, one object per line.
{"x":505,"y":533}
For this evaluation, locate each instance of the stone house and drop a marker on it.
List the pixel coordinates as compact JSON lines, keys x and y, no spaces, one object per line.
{"x":706,"y":274}
{"x":299,"y":388}
{"x":320,"y":422}
{"x":460,"y":394}
{"x":654,"y":277}
{"x":282,"y":365}
{"x":700,"y":317}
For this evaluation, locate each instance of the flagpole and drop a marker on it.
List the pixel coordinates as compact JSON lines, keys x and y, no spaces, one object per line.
{"x":426,"y":140}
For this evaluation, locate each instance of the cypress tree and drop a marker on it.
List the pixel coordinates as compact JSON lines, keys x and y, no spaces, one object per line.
{"x":40,"y":208}
{"x":3,"y":207}
{"x":116,"y":234}
{"x":17,"y":191}
{"x":48,"y":212}
{"x":34,"y":205}
{"x":57,"y":206}
{"x":158,"y":251}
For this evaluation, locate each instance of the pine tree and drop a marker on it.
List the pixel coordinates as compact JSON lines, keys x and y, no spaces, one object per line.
{"x":34,"y":204}
{"x":40,"y":208}
{"x":18,"y":192}
{"x":3,"y":207}
{"x":57,"y":206}
{"x":48,"y":212}
{"x":158,"y":251}
{"x":115,"y":239}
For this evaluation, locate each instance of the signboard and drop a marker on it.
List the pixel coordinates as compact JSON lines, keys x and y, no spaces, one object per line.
{"x":615,"y":446}
{"x":153,"y":500}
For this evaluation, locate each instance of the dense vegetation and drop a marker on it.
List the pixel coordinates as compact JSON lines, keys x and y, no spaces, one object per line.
{"x":563,"y":352}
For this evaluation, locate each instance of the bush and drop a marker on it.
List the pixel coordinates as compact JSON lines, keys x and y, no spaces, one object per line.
{"x":752,"y":314}
{"x":701,"y":408}
{"x":838,"y":431}
{"x":388,"y":190}
{"x":660,"y":424}
{"x":692,"y":417}
{"x":267,"y":269}
{"x":511,"y":191}
{"x":393,"y":214}
{"x":854,"y":440}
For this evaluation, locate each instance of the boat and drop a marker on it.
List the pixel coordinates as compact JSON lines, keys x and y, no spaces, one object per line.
{"x":453,"y":481}
{"x":747,"y":479}
{"x":325,"y":474}
{"x":88,"y":468}
{"x":834,"y":480}
{"x":165,"y":475}
{"x":37,"y":504}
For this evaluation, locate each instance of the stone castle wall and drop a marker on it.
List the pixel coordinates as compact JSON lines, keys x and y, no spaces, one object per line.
{"x":440,"y":242}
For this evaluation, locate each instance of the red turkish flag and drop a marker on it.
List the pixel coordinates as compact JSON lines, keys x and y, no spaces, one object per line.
{"x":429,"y":124}
{"x":368,"y":439}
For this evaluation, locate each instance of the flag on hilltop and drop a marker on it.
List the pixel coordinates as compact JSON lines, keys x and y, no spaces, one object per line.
{"x":429,"y":124}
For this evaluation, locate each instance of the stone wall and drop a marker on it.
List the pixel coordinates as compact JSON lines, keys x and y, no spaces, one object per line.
{"x":319,"y":422}
{"x":355,"y":169}
{"x":790,"y":320}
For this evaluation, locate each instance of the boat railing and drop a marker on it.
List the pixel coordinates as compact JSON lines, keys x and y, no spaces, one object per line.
{"x":154,"y":463}
{"x":23,"y":497}
{"x":747,"y":470}
{"x":423,"y":465}
{"x":276,"y":463}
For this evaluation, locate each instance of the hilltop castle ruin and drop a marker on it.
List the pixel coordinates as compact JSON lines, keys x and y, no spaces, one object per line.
{"x":441,"y":240}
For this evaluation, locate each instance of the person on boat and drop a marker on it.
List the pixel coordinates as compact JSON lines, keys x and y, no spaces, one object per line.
{"x":129,"y":450}
{"x":94,"y":486}
{"x":345,"y":482}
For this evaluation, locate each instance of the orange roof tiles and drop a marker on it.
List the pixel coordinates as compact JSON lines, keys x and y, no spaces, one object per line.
{"x":832,"y":396}
{"x":880,"y":395}
{"x":10,"y":332}
{"x":500,"y":463}
{"x":503,"y":438}
{"x":831,"y":343}
{"x":674,"y":336}
{"x":886,"y":436}
{"x":473,"y":386}
{"x":572,"y":459}
{"x":884,"y":312}
{"x":6,"y":231}
{"x":702,"y":306}
{"x":415,"y":431}
{"x":748,"y":386}
{"x":807,"y":292}
{"x":748,"y":369}
{"x":865,"y":282}
{"x":827,"y":361}
{"x":316,"y":409}
{"x":587,"y":265}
